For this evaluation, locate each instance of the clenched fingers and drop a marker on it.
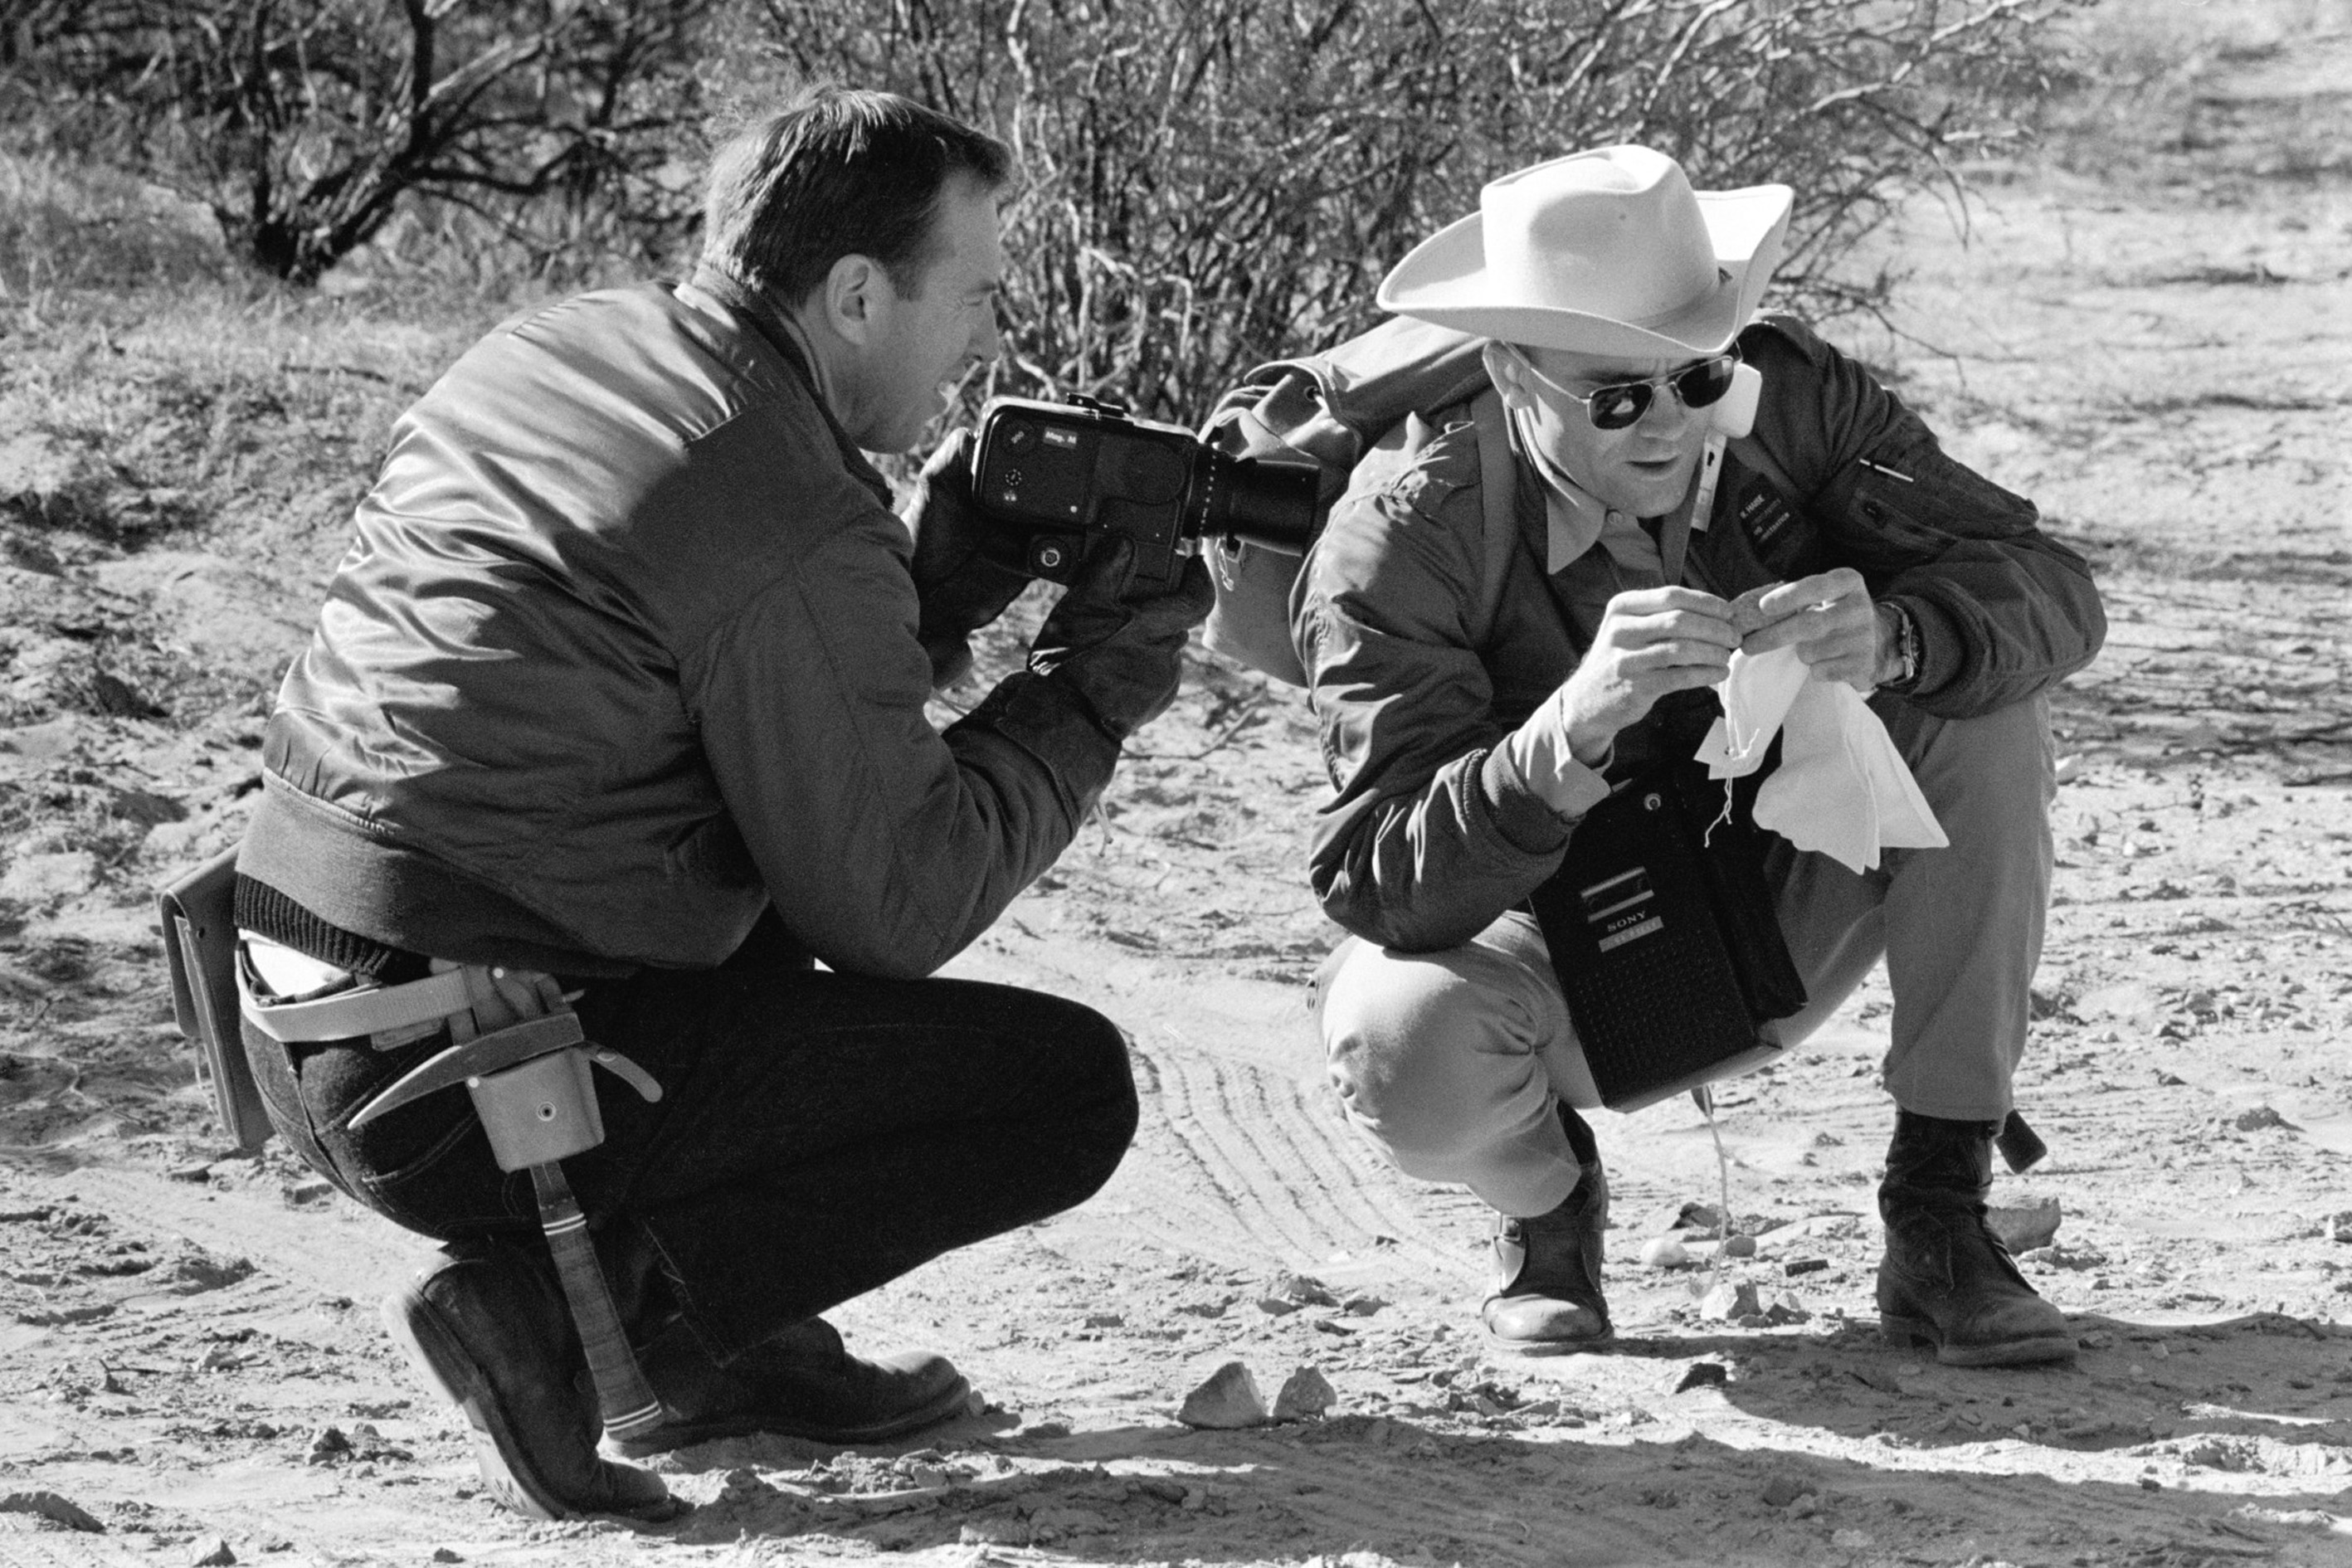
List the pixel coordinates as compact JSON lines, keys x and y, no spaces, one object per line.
{"x":1684,"y":620}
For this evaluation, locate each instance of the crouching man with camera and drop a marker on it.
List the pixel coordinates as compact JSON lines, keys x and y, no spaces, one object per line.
{"x":613,"y":723}
{"x":1482,"y":690}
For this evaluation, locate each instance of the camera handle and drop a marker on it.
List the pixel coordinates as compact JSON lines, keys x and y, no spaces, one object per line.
{"x":531,"y":1086}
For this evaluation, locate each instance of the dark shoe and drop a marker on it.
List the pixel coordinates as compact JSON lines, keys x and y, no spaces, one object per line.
{"x":1546,"y":1278}
{"x":489,"y":1330}
{"x":801,"y":1384}
{"x":1947,"y":1281}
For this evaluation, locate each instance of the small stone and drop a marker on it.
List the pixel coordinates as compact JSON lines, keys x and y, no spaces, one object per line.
{"x":446,"y":1555}
{"x":1302,"y":1290}
{"x":1698,"y":1217}
{"x":212,"y":1551}
{"x":1800,"y":1265}
{"x":196,"y":1174}
{"x":1105,"y":1320}
{"x":1702,"y":1374}
{"x":328,"y":1444}
{"x":2025,"y":1226}
{"x":1275,"y":1306}
{"x":1805,"y":1507}
{"x":1664,"y":1252}
{"x":1782,"y":1490}
{"x":1362,"y":1306}
{"x":1727,"y":1301}
{"x":1852,"y":1541}
{"x":1229,"y":1399}
{"x":1738,"y":1247}
{"x":2262,"y":1116}
{"x":1046,"y":1429}
{"x":1305,"y":1394}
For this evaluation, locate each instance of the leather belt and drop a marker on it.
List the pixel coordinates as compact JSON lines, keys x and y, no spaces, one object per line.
{"x":365,"y":1010}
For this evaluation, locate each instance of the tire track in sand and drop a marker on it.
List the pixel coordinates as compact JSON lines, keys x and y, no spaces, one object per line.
{"x":1241,"y":1158}
{"x":1270,"y":1167}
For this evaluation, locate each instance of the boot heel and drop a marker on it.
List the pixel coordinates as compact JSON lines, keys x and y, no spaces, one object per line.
{"x":1907,"y":1333}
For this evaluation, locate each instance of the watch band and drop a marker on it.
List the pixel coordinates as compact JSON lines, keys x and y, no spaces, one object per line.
{"x":1906,"y":646}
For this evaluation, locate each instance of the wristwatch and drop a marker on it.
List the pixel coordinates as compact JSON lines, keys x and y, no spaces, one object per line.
{"x":1907,"y":646}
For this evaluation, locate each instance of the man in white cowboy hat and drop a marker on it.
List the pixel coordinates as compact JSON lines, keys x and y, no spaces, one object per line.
{"x":1619,"y":310}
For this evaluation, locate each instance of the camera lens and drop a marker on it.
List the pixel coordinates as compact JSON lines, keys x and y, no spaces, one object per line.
{"x":1264,"y":502}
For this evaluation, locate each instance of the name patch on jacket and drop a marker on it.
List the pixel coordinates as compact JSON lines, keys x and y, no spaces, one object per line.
{"x":1764,"y":515}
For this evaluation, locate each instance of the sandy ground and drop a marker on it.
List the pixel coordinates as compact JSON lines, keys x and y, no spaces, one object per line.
{"x":2157,"y":347}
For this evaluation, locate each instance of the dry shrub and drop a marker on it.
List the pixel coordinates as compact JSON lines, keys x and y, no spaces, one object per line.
{"x":304,"y":125}
{"x":1208,"y":183}
{"x":1214,"y":182}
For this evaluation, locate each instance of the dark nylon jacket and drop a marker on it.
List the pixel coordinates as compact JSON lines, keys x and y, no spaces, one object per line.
{"x":625,"y":649}
{"x":1431,"y":835}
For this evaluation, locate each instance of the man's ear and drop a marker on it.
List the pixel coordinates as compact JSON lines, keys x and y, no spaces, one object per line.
{"x":1503,"y":369}
{"x":851,"y":297}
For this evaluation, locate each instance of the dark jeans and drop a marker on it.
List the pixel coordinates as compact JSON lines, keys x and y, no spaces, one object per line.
{"x":818,"y":1135}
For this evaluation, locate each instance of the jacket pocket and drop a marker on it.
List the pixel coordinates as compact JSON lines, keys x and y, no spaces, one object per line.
{"x":1905,"y":501}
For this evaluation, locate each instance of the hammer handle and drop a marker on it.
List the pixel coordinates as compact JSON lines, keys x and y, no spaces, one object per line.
{"x":626,"y":1401}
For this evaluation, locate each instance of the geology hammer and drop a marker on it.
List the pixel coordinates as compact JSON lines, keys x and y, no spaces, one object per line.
{"x":531,"y":1089}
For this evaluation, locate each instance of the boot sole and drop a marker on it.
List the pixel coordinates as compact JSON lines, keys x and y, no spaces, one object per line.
{"x":1910,"y":1332}
{"x":948,"y":1403}
{"x":440,"y":1357}
{"x":1532,"y":1348}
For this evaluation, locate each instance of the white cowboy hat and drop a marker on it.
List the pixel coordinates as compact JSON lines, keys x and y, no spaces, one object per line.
{"x":1606,"y":252}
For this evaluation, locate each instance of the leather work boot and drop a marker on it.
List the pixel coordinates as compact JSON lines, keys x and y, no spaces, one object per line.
{"x":1947,"y":1281}
{"x":488,"y":1327}
{"x":801,"y":1384}
{"x":1546,"y":1278}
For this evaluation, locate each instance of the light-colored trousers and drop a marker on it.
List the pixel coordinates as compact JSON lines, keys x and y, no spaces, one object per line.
{"x":1452,"y":1060}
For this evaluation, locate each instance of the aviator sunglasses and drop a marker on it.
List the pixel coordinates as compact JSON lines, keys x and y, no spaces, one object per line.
{"x":1622,"y":403}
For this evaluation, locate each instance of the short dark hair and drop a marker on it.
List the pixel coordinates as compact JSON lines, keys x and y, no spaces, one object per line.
{"x":838,"y":171}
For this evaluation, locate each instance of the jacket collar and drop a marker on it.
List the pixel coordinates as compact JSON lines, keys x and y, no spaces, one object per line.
{"x":781,"y":332}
